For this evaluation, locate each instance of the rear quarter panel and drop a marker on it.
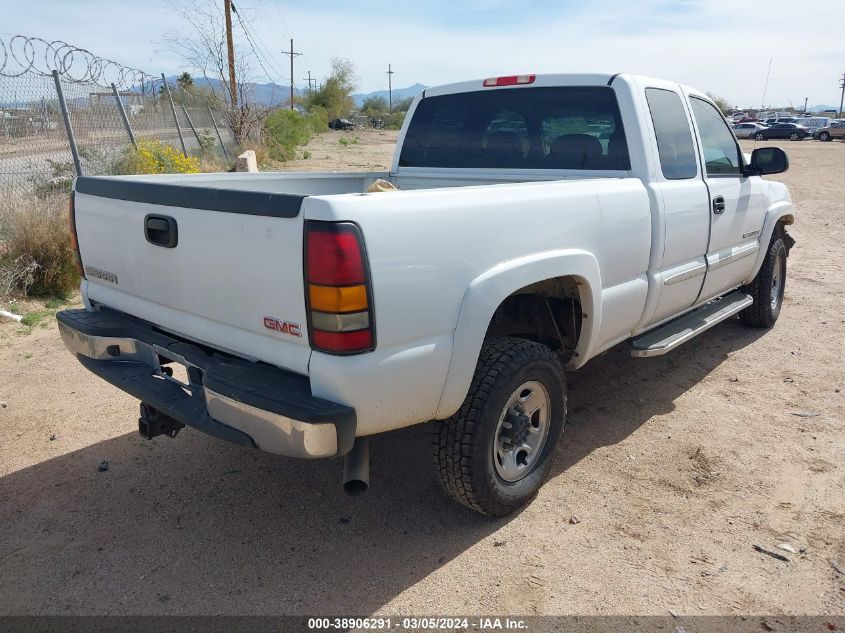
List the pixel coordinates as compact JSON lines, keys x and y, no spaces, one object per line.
{"x":427,"y":248}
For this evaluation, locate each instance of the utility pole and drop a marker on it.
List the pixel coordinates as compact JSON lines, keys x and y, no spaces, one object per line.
{"x":230,"y":47}
{"x":842,"y":98}
{"x":291,"y":54}
{"x":309,"y":80}
{"x":390,"y":88}
{"x":805,"y":104}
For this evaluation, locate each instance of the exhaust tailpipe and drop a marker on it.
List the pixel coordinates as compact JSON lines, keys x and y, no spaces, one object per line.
{"x":356,"y":468}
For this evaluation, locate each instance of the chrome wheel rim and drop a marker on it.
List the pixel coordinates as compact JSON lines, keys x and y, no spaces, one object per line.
{"x":521,"y":431}
{"x":776,"y":293}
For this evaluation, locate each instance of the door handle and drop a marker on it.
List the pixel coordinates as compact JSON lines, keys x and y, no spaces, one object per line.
{"x":161,"y":230}
{"x":719,"y":205}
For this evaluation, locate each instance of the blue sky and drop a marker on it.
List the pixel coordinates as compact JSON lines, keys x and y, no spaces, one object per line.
{"x":720,"y":46}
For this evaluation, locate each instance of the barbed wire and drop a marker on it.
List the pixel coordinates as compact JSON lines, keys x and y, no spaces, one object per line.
{"x":22,"y":55}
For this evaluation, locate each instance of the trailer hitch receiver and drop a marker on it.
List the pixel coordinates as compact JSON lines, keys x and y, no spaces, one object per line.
{"x":153,"y":423}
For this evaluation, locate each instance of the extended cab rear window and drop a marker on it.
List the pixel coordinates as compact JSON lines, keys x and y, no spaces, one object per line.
{"x":518,"y":128}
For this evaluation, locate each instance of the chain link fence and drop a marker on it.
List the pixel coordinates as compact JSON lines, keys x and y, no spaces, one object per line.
{"x":109,"y":108}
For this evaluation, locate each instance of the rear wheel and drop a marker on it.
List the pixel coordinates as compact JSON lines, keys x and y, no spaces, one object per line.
{"x":768,"y":287}
{"x":758,"y":137}
{"x":824,"y":136}
{"x":496,"y":451}
{"x":794,"y":136}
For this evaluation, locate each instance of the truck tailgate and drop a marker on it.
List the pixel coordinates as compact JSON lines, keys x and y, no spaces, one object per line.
{"x":233,"y":280}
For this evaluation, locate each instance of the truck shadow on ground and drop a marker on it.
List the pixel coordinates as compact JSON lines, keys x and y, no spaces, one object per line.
{"x":194,"y":525}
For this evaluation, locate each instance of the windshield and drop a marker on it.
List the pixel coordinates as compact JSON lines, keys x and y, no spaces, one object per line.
{"x":521,"y":128}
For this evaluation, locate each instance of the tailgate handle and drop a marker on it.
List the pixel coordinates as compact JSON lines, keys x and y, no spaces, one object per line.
{"x":161,"y":230}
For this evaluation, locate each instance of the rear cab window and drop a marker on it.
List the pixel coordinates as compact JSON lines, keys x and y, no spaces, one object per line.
{"x":675,"y":148}
{"x":519,"y":128}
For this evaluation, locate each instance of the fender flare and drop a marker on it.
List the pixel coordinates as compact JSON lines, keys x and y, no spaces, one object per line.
{"x":781,"y":210}
{"x":487,"y":291}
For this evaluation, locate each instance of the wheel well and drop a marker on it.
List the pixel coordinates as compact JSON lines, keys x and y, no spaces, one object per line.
{"x":548,"y":312}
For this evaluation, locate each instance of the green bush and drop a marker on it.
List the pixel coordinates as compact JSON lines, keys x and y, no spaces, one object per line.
{"x":394,"y":121}
{"x":287,"y":129}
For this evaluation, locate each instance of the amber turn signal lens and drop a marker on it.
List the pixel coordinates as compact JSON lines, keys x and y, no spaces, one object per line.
{"x":338,"y":298}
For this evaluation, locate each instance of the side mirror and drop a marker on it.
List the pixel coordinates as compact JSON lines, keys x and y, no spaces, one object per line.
{"x":767,"y":160}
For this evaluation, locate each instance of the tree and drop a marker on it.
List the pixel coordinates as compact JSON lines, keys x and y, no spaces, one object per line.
{"x":203,"y":48}
{"x":335,"y":93}
{"x":721,"y":103}
{"x":185,"y":81}
{"x":404,"y":105}
{"x":374,"y":105}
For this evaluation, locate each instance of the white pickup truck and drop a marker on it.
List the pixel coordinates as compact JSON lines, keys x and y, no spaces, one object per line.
{"x":538,"y":220}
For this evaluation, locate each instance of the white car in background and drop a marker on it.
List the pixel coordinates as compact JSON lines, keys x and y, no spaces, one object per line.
{"x":747,"y":130}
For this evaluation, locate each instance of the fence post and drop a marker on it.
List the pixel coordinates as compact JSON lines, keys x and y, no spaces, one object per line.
{"x":123,"y":116}
{"x":219,"y":138}
{"x":68,"y":127}
{"x":193,"y":129}
{"x":175,"y":118}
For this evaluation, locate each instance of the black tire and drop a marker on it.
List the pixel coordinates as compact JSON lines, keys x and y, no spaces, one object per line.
{"x":767,"y":303}
{"x":824,"y":136}
{"x":795,"y":136}
{"x":759,"y":136}
{"x":464,"y":444}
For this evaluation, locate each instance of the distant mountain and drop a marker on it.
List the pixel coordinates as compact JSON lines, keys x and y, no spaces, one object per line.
{"x":398,"y":94}
{"x":822,"y":108}
{"x":270,"y":94}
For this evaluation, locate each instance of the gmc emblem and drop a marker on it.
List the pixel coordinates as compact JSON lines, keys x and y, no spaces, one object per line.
{"x":285,"y":327}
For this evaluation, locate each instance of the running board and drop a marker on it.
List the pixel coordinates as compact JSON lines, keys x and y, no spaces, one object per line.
{"x":675,"y":333}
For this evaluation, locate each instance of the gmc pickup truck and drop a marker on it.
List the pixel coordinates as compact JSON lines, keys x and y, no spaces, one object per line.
{"x":537,"y":221}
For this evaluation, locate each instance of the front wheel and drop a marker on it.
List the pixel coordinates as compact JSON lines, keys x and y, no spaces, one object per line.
{"x":794,"y":136}
{"x":824,"y":136}
{"x":495,"y":452}
{"x":767,"y":287}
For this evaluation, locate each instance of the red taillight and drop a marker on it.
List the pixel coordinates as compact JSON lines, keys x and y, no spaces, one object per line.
{"x":334,"y":258}
{"x":74,"y":241}
{"x":343,"y":342}
{"x":509,"y":80}
{"x":337,"y":289}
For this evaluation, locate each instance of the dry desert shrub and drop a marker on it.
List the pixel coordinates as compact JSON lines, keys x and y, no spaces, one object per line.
{"x":36,"y":257}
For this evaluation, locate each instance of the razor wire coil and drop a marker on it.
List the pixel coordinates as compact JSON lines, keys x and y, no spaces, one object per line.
{"x":22,"y":55}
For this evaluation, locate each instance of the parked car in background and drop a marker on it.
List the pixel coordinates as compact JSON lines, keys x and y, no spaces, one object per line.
{"x":814,"y":123}
{"x":791,"y":131}
{"x":341,"y":124}
{"x":787,"y":119}
{"x":836,"y":129}
{"x":747,"y":130}
{"x":377,"y":123}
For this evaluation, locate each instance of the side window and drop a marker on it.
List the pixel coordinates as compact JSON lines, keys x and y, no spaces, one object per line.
{"x":721,"y":153}
{"x":674,"y":140}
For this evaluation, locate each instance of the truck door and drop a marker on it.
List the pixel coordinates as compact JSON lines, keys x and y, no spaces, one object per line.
{"x":679,"y":237}
{"x":737,"y":203}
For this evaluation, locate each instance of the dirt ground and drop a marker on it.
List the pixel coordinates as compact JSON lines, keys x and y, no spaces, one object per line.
{"x":670,"y":471}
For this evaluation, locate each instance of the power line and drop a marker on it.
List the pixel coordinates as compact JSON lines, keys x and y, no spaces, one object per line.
{"x":252,"y":45}
{"x":262,"y":45}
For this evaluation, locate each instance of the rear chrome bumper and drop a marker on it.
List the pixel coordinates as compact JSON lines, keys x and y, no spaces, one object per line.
{"x":252,"y":404}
